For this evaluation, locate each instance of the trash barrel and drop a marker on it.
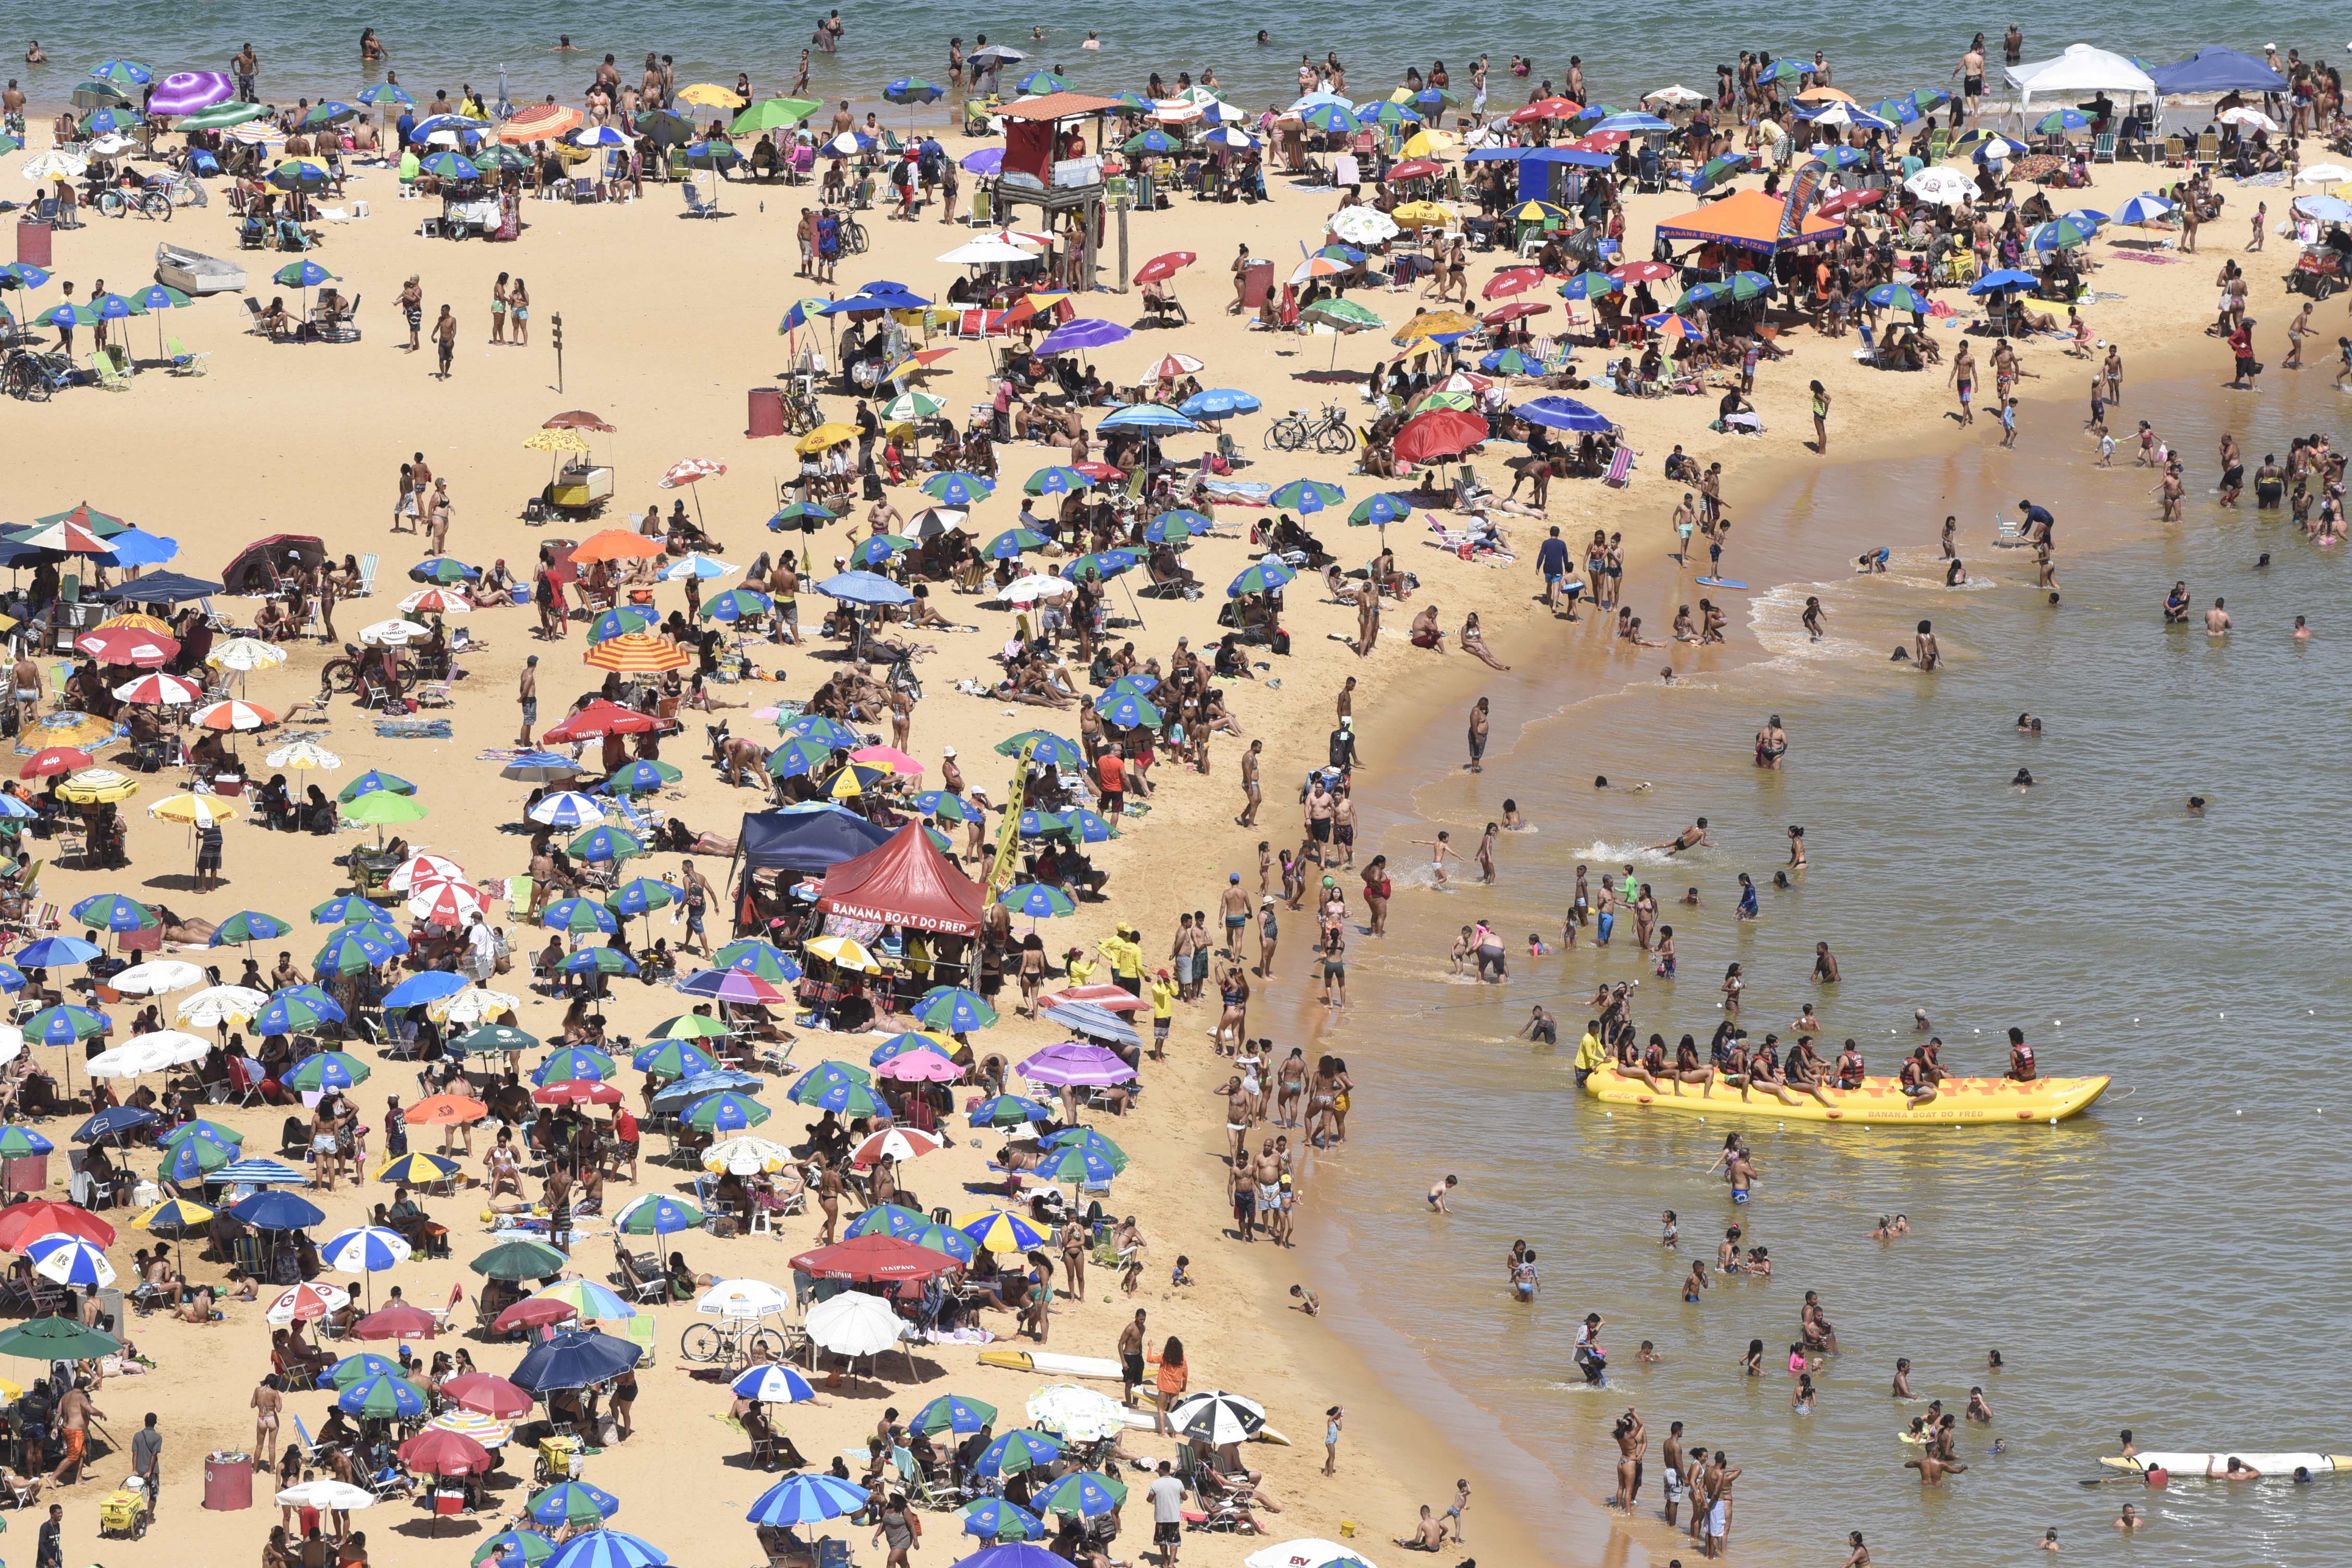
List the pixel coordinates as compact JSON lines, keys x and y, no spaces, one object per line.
{"x":32,"y":242}
{"x":1257,"y":282}
{"x":228,"y":1482}
{"x":766,"y":414}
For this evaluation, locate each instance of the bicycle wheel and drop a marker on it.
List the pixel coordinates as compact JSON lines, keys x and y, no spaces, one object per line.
{"x":1287,"y":435}
{"x":157,"y":204}
{"x":701,"y":1342}
{"x":767,"y":1345}
{"x":111,"y":203}
{"x":1334,"y":437}
{"x":852,"y":237}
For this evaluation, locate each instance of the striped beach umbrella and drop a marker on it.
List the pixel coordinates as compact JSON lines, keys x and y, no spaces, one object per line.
{"x":370,"y":1250}
{"x":637,"y":653}
{"x":654,"y":1215}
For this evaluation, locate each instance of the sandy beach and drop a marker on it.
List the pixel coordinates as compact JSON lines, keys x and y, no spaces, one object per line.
{"x":668,"y":323}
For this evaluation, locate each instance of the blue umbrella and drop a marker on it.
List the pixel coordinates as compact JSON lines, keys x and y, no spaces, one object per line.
{"x":641,"y":896}
{"x":1084,"y":1493}
{"x":63,"y":1024}
{"x":70,"y":1260}
{"x":428,"y":985}
{"x":954,"y":1009}
{"x":114,"y":1119}
{"x":573,"y":1064}
{"x":568,"y":809}
{"x":1218,"y":403}
{"x":2142,"y":209}
{"x":296,"y":1010}
{"x":958,"y":489}
{"x":772,"y":1384}
{"x":370,"y":1250}
{"x":581,"y":1358}
{"x":2062,"y":120}
{"x":996,"y":1519}
{"x":1009,"y":544}
{"x":1264,"y":576}
{"x":864,"y":588}
{"x":2006,"y":279}
{"x":808,"y":1497}
{"x":580,"y":915}
{"x":602,"y":1548}
{"x":1146,"y":417}
{"x":600,"y":961}
{"x":277,"y":1211}
{"x":387,"y":92}
{"x":375,"y":781}
{"x":1564,"y":414}
{"x":349,"y":910}
{"x":1049,"y":750}
{"x":52,"y":952}
{"x":1020,"y":1449}
{"x":1896,"y":297}
{"x":1126,"y":711}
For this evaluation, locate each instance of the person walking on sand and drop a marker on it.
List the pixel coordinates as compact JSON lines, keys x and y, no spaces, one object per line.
{"x":445,"y":339}
{"x":527,"y":693}
{"x":412,"y":306}
{"x":1480,"y":718}
{"x":1962,"y":379}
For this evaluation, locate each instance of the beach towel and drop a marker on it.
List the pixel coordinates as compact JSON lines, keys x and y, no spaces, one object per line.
{"x":414,"y":729}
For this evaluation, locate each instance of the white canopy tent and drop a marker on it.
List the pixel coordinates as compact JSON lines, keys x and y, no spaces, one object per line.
{"x":2083,"y":68}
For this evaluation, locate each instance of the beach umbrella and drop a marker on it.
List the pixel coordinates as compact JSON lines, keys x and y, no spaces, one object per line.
{"x":576,"y":1357}
{"x":1010,"y":1111}
{"x":1896,"y":297}
{"x":1020,"y":1449}
{"x":749,"y":955}
{"x":2063,"y":234}
{"x":998,"y":1518}
{"x":62,"y":1025}
{"x":1268,"y":574}
{"x":277,"y":1211}
{"x":370,"y":1250}
{"x":772,"y":1384}
{"x":1082,"y":334}
{"x":517,"y":1261}
{"x":1217,"y":1418}
{"x":484,"y":1395}
{"x":56,"y":951}
{"x":397,"y":1321}
{"x":70,"y":1260}
{"x":1152,"y":416}
{"x":1083,"y":1494}
{"x":572,"y":1503}
{"x":21,"y":1222}
{"x":358,"y":1369}
{"x":808,"y":1497}
{"x":954,"y":1009}
{"x":416,"y":1168}
{"x":996,"y":1231}
{"x":2001,"y":281}
{"x":745,"y":1156}
{"x":113,"y":912}
{"x":2148,"y":208}
{"x":952,"y":1413}
{"x":514,"y":1549}
{"x":1306,"y":497}
{"x":606,"y":1549}
{"x":383,"y":1397}
{"x":1037,"y":900}
{"x":654,"y":1215}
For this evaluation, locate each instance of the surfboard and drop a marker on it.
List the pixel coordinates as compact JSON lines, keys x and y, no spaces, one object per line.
{"x":1963,"y":1101}
{"x":1720,"y":583}
{"x":1052,"y":1364}
{"x":2185,"y":1466}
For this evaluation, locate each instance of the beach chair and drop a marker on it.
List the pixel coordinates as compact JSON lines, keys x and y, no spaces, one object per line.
{"x":2103,"y":147}
{"x":640,"y":1330}
{"x":181,"y":362}
{"x":368,"y":566}
{"x":1938,"y":144}
{"x":253,"y":316}
{"x":2176,"y":152}
{"x":109,"y":374}
{"x":695,"y":205}
{"x":984,"y":208}
{"x":2208,"y":150}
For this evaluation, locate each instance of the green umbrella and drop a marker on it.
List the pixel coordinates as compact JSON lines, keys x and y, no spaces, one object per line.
{"x":687,"y":1026}
{"x":493,"y":156}
{"x":219,"y":117}
{"x":1341,"y":316}
{"x":357,"y":1369}
{"x":383,"y":809}
{"x":492,"y":1039}
{"x":382,"y":1397}
{"x":18,"y":1141}
{"x":773,"y":114}
{"x":511,"y":1260}
{"x":56,"y":1339}
{"x":507,"y":1546}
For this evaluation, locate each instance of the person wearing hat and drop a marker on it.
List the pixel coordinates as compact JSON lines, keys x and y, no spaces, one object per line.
{"x":1125,"y":955}
{"x":1163,"y":991}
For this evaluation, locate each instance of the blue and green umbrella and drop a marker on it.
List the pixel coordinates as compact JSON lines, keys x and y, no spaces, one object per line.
{"x":726,"y":1111}
{"x":886,"y":1220}
{"x":800,"y":514}
{"x":1023,"y":1448}
{"x":642,"y":896}
{"x":1001,"y":1518}
{"x":348,"y":910}
{"x":1009,"y":544}
{"x":62,"y":1025}
{"x":578,"y":915}
{"x":607,"y":844}
{"x":1084,"y":1494}
{"x":738,"y":605}
{"x":353,"y":950}
{"x":2064,"y":234}
{"x":572,"y":1503}
{"x":1057,"y":480}
{"x":328,"y":1070}
{"x":1045,"y":748}
{"x":1172,"y":527}
{"x":575,"y":1064}
{"x":1896,"y":297}
{"x":1041,"y":82}
{"x":958,"y":489}
{"x":1152,"y":141}
{"x":799,"y":756}
{"x":1306,"y":497}
{"x":1037,"y":900}
{"x":357,"y":1369}
{"x":374,"y":781}
{"x":954,"y":1413}
{"x":826,"y":732}
{"x":383,"y":1397}
{"x":297,"y":1010}
{"x":1101,"y":565}
{"x":878,"y":549}
{"x":955,"y":1009}
{"x":112,"y":912}
{"x":643,"y":776}
{"x":617,"y":622}
{"x":1087,"y":1138}
{"x":1076,"y":1163}
{"x":1331,"y":119}
{"x":753,"y":956}
{"x":600,"y":961}
{"x":1264,"y":576}
{"x":514,"y":1549}
{"x":842,"y":1095}
{"x":673,"y":1059}
{"x":946,"y":807}
{"x":655,"y":1214}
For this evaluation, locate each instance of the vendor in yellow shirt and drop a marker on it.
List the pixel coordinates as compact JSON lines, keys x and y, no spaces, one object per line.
{"x":1588,"y":1054}
{"x":1081,"y":968}
{"x":1126,"y":957}
{"x":1163,"y":992}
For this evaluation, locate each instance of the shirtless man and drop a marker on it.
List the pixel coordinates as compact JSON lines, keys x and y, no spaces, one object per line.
{"x":26,"y":677}
{"x":1692,"y":837}
{"x":1902,"y":1387}
{"x":2217,"y":620}
{"x":1238,"y":1122}
{"x":74,"y":1413}
{"x":1933,"y":1467}
{"x":1253,"y":792}
{"x":1815,"y":1328}
{"x":1265,"y":1170}
{"x":1671,"y":1453}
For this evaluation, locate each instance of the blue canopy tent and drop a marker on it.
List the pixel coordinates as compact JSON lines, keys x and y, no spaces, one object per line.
{"x":159,"y":588}
{"x":2216,"y":69}
{"x":799,"y":841}
{"x":1537,"y":182}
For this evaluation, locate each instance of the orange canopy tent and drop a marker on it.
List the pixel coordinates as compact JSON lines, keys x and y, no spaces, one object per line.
{"x":1751,"y":221}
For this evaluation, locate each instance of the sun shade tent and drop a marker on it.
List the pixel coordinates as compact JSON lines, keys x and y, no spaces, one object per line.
{"x":162,"y":588}
{"x":907,"y":881}
{"x":1750,"y":221}
{"x":2080,"y":70}
{"x":289,"y":554}
{"x":2216,"y":69}
{"x":806,"y":840}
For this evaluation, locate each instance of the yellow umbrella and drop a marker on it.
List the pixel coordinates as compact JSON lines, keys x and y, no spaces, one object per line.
{"x":558,"y":441}
{"x":1427,"y":144}
{"x":832,"y":434}
{"x":97,"y":786}
{"x":195,"y":810}
{"x":139,"y":622}
{"x":63,"y":727}
{"x":710,"y":95}
{"x":844,"y":952}
{"x":1421,"y":214}
{"x":1433,"y":324}
{"x":637,"y":653}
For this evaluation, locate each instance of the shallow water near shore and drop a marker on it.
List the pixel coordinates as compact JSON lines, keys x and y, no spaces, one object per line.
{"x":2156,"y":1264}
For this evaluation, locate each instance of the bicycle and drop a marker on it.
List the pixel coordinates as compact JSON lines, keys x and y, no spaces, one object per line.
{"x":1328,"y":432}
{"x":184,"y":191}
{"x":30,"y":375}
{"x":116,"y":202}
{"x":736,"y":1342}
{"x":853,"y":236}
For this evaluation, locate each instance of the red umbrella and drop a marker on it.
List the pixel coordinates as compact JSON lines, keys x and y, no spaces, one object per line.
{"x":1641,"y":272}
{"x":128,"y":645}
{"x":1440,"y":434}
{"x":1413,"y":169}
{"x":600,"y":718}
{"x":1512,"y":312}
{"x":441,"y":1452}
{"x":1512,"y":280}
{"x":485,"y":1394}
{"x":26,"y":1222}
{"x":55,"y":760}
{"x":1547,"y":109}
{"x":1160,"y":267}
{"x":1602,"y":141}
{"x":531,"y":1312}
{"x":403,"y":1322}
{"x":1103,"y":473}
{"x":874,"y":1259}
{"x":577,"y":1092}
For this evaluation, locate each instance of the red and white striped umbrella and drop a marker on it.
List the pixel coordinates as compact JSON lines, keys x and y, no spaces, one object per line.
{"x":902,"y":1143}
{"x":1174,"y":365}
{"x":445,"y":904}
{"x":69,"y":538}
{"x":692,"y":469}
{"x":159,"y":690}
{"x":233,"y":715}
{"x":307,"y":1303}
{"x":436,"y":602}
{"x":127,"y":646}
{"x":419,"y":872}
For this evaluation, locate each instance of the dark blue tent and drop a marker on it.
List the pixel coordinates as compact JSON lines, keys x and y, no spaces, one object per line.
{"x":2216,"y":69}
{"x":159,"y":588}
{"x":807,"y":839}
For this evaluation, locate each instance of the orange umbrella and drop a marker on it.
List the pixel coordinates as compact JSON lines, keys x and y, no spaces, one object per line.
{"x":540,"y":122}
{"x":637,"y":653}
{"x":446,"y":1111}
{"x":617,"y":544}
{"x":139,"y":622}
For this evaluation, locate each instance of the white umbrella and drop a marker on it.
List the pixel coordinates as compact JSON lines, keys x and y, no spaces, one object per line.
{"x":169,"y":690}
{"x":1217,"y":1418}
{"x":232,"y":715}
{"x":852,"y":1324}
{"x":445,"y":903}
{"x":327,"y":1496}
{"x":1310,"y":1551}
{"x":743,"y":1299}
{"x":1079,"y":1415}
{"x":12,"y":1042}
{"x":1362,"y":225}
{"x":1036,"y":586}
{"x":694,"y":566}
{"x":304,"y":754}
{"x":587,"y":810}
{"x":987,"y":248}
{"x":352,"y":1252}
{"x":157,"y":977}
{"x":1676,"y":94}
{"x":2254,"y":119}
{"x":436,"y":602}
{"x":746,"y":1156}
{"x":292,"y":1302}
{"x":126,"y":1060}
{"x":218,"y":1005}
{"x":392,"y":633}
{"x":471,"y":1005}
{"x":196,"y":810}
{"x":2325,"y":175}
{"x":49,"y":165}
{"x":1943,"y":187}
{"x":72,"y":1260}
{"x":111,"y":144}
{"x":245,"y":654}
{"x":176,"y":1046}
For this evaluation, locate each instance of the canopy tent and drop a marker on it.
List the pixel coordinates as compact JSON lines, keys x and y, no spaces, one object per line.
{"x":159,"y":588}
{"x":2083,"y":68}
{"x":907,"y":881}
{"x":2216,"y":69}
{"x":1751,"y":220}
{"x":258,"y":567}
{"x":1536,"y":164}
{"x":806,"y":841}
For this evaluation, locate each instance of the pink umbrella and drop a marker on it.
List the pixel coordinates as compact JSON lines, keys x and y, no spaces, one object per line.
{"x":891,"y":757}
{"x":1072,"y":1064}
{"x":920,"y":1066}
{"x":184,"y":92}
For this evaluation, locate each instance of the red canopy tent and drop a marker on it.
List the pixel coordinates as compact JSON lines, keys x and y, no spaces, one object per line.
{"x":906,"y":882}
{"x":876,"y":1260}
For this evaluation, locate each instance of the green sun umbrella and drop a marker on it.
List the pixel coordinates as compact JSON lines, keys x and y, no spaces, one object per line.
{"x":518,"y":1260}
{"x":687,"y":1026}
{"x":774,"y":114}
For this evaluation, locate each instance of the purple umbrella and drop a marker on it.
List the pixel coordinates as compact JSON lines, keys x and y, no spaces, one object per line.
{"x":987,"y":160}
{"x":184,"y":92}
{"x":1076,"y":1065}
{"x":1086,"y":332}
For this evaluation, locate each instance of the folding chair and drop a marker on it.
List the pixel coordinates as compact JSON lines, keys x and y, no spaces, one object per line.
{"x":640,"y":1332}
{"x":368,"y":566}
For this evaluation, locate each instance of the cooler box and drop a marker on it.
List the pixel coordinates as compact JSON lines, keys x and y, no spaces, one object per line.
{"x":32,"y":242}
{"x":1257,"y":282}
{"x":521,"y":592}
{"x":449,"y":1502}
{"x":228,"y":1482}
{"x":766,"y":414}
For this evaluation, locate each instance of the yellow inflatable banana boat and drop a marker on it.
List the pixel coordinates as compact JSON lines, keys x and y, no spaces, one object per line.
{"x":1879,"y":1102}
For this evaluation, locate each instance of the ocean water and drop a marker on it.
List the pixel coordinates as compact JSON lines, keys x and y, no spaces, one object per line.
{"x":1627,"y":49}
{"x":2170,"y":1262}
